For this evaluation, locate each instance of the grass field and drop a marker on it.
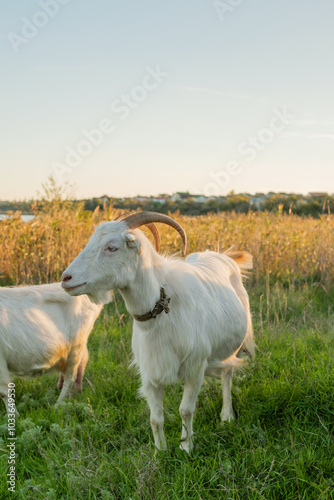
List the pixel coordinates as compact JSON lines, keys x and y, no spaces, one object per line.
{"x":99,"y":444}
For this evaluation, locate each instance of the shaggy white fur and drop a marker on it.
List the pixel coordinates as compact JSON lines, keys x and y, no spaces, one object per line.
{"x":207,"y":328}
{"x":42,"y":328}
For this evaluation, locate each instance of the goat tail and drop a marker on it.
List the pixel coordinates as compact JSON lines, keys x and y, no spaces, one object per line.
{"x":249,"y":346}
{"x":215,"y":368}
{"x":243,"y":259}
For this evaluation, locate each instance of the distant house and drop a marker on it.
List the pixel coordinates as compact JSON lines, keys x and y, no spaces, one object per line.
{"x":198,"y":198}
{"x":161,"y":200}
{"x":317,"y":194}
{"x":104,"y":198}
{"x":180,"y":196}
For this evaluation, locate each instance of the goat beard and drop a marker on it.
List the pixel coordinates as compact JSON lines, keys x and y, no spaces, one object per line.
{"x":100,"y":296}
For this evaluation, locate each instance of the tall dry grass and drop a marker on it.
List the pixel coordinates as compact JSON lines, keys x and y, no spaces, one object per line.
{"x":285,"y":247}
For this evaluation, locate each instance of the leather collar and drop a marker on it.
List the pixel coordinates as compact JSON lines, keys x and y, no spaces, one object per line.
{"x":161,"y":305}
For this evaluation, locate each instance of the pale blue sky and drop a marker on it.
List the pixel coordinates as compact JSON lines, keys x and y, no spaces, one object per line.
{"x":229,"y":76}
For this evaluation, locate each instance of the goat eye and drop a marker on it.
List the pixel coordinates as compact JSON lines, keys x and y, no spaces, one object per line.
{"x":112,"y":249}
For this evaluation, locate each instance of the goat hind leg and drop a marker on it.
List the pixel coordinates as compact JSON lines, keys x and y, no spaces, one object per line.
{"x":60,"y":381}
{"x":227,"y":412}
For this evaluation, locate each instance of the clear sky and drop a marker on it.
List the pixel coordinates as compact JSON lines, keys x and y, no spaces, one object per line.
{"x":199,"y":95}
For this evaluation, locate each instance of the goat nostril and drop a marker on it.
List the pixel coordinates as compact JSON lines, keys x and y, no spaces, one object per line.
{"x":67,"y":277}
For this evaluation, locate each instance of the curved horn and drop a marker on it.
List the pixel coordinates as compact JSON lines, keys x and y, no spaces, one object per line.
{"x":151,"y":226}
{"x":154,"y":230}
{"x":139,"y":219}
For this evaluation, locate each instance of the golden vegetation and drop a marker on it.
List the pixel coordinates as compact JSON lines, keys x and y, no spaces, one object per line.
{"x":286,"y":247}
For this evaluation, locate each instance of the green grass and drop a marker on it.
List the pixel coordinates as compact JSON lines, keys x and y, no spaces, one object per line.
{"x":99,"y":444}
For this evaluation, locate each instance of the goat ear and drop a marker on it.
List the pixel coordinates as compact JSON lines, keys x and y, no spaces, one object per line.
{"x":131,"y":240}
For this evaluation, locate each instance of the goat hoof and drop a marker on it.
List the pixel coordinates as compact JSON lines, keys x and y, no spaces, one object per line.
{"x":227,"y":417}
{"x":187,"y":447}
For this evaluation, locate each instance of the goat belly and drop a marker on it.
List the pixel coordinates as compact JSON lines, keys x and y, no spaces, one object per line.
{"x":31,"y":371}
{"x":33,"y":365}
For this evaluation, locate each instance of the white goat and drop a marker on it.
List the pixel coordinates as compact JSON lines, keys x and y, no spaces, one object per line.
{"x":42,"y":328}
{"x":208,"y":321}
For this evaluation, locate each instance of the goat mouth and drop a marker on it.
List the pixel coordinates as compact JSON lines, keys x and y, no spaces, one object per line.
{"x":71,"y":288}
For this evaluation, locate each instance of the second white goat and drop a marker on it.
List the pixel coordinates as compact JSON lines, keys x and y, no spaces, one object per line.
{"x":42,"y":329}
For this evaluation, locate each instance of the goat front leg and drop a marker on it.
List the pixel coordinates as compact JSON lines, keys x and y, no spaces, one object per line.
{"x":187,"y":409}
{"x":5,"y":380}
{"x":227,"y":412}
{"x":4,"y":395}
{"x":155,"y":396}
{"x":66,"y":389}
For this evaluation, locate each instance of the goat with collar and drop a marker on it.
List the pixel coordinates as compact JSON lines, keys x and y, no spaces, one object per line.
{"x":202,"y":328}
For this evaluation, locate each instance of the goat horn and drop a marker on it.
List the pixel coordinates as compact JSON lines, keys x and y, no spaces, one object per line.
{"x":139,"y":219}
{"x":154,"y":230}
{"x":151,"y":226}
